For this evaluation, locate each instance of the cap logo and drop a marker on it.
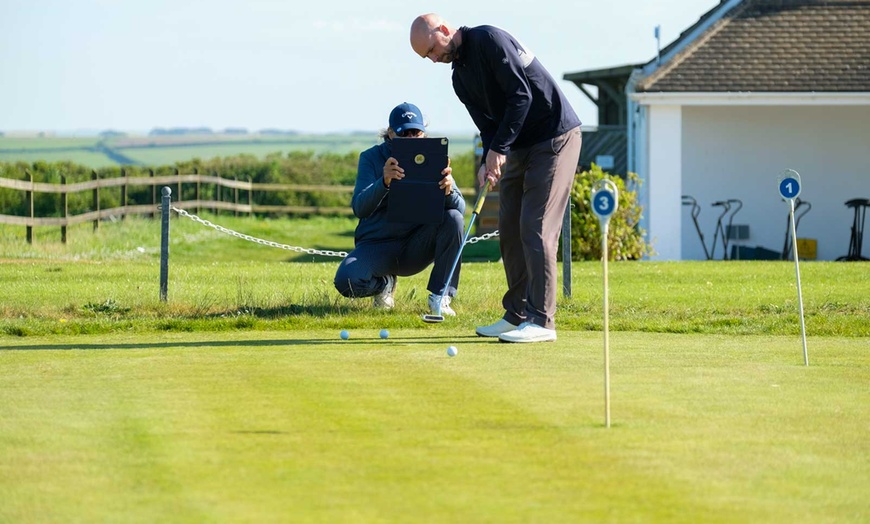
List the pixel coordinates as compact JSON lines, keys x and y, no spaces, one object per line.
{"x":409,"y":115}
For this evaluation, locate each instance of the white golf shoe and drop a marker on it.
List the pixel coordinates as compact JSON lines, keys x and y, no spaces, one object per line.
{"x":384,"y":299}
{"x":445,"y":309}
{"x":528,"y":332}
{"x":494,"y":330}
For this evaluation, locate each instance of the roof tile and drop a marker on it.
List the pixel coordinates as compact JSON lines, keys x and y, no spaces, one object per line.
{"x":776,"y":46}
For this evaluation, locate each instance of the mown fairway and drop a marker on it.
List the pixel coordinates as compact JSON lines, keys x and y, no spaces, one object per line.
{"x":237,"y":401}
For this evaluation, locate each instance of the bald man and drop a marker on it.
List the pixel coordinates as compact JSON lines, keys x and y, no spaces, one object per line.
{"x":531,"y":141}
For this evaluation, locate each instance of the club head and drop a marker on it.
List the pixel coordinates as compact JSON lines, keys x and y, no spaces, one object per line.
{"x":433,"y":319}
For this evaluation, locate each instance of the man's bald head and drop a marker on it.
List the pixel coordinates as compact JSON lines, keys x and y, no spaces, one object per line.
{"x":433,"y":38}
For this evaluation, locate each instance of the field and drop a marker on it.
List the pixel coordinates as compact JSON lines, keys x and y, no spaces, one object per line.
{"x":237,"y":400}
{"x":96,"y":152}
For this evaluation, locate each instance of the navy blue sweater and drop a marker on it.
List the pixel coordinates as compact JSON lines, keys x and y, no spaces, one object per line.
{"x":370,"y":197}
{"x":512,"y":99}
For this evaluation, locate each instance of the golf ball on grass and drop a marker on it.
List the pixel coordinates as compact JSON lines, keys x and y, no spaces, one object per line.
{"x":451,"y":351}
{"x":344,"y":334}
{"x":385,"y":333}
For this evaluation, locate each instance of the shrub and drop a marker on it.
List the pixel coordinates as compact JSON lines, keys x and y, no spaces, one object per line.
{"x":625,"y":236}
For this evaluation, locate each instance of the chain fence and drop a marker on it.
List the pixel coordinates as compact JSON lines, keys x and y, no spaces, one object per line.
{"x":309,"y":251}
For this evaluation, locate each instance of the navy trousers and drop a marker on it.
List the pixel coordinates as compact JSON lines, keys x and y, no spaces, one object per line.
{"x":362,"y":273}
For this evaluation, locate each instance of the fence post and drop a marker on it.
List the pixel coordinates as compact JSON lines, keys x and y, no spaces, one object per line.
{"x":124,"y":194}
{"x":29,"y":201}
{"x":178,"y":197}
{"x":236,"y":196}
{"x":153,"y":193}
{"x":64,"y":207}
{"x":217,"y":193}
{"x":96,"y":206}
{"x":196,"y":192}
{"x":165,"y":204}
{"x":566,"y":251}
{"x":250,"y":196}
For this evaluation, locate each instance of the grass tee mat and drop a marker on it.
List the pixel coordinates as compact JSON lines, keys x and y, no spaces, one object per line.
{"x":238,"y":401}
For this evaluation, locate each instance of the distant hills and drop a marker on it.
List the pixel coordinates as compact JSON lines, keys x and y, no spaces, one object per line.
{"x":167,"y":146}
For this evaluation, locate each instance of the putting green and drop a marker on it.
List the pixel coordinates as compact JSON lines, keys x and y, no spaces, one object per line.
{"x":304,"y":426}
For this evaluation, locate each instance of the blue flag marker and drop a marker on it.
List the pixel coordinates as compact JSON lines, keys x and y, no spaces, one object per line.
{"x":605,"y":200}
{"x":789,"y":189}
{"x":790,"y":185}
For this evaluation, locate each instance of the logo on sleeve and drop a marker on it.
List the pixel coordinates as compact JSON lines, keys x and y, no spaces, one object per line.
{"x":526,"y":56}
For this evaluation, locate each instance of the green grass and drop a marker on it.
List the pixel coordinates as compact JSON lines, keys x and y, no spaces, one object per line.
{"x":299,"y":425}
{"x":159,"y":156}
{"x":12,"y":144}
{"x":167,"y":150}
{"x":220,"y":282}
{"x":237,"y":401}
{"x":78,"y":156}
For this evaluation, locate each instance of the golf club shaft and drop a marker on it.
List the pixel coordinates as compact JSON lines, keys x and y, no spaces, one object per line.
{"x":477,"y":207}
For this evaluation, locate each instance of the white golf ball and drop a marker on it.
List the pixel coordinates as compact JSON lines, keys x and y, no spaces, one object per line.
{"x":385,"y":333}
{"x":344,"y":334}
{"x":451,"y":351}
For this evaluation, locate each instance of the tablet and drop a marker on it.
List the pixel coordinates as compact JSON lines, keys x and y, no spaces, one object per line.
{"x":417,"y":199}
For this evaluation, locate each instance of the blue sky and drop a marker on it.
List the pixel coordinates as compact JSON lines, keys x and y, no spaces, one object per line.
{"x":335,"y":66}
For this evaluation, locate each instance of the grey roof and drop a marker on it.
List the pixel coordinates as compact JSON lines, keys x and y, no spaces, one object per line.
{"x":772,"y":46}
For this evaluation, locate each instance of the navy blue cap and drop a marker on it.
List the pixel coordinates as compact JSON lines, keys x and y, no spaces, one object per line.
{"x":406,"y":116}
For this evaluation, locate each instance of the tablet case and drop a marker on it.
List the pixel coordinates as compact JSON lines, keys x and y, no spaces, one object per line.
{"x":417,"y":199}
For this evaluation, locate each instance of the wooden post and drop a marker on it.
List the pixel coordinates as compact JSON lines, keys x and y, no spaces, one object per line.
{"x":236,"y":196}
{"x":29,"y":202}
{"x":196,"y":192}
{"x":178,"y":193}
{"x":217,"y":194}
{"x":153,"y":194}
{"x":124,"y":194}
{"x":96,"y":205}
{"x":251,"y":196}
{"x":64,"y":209}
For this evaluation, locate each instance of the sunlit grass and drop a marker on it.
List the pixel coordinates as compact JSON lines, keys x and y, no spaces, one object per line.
{"x":236,"y":400}
{"x":218,"y":282}
{"x":298,"y":425}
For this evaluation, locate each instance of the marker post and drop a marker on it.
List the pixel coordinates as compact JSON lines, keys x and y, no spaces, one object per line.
{"x":790,"y":189}
{"x":605,"y":199}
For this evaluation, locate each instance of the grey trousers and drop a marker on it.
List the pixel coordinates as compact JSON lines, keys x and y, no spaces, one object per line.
{"x":533,"y":193}
{"x":362,"y":272}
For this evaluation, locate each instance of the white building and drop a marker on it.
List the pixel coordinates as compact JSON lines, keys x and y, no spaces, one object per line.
{"x":755,"y":87}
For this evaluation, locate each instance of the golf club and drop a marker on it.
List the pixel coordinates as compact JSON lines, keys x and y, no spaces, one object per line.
{"x":437,"y":316}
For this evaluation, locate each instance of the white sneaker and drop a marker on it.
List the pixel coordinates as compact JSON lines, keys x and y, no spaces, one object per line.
{"x":528,"y":332}
{"x":445,"y":309}
{"x":494,"y":330}
{"x":384,"y":299}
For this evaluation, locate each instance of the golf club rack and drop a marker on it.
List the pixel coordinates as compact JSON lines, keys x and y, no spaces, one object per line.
{"x":723,"y":233}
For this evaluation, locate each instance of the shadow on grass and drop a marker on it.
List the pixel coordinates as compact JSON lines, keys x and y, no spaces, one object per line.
{"x":292,"y":310}
{"x":309,"y":342}
{"x":306,"y":257}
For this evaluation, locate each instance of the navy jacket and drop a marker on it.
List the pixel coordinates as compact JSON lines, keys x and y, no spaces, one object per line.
{"x":512,"y":99}
{"x":370,"y":197}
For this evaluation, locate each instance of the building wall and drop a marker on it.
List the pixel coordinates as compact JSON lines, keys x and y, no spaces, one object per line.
{"x":738,"y":152}
{"x":663,"y":181}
